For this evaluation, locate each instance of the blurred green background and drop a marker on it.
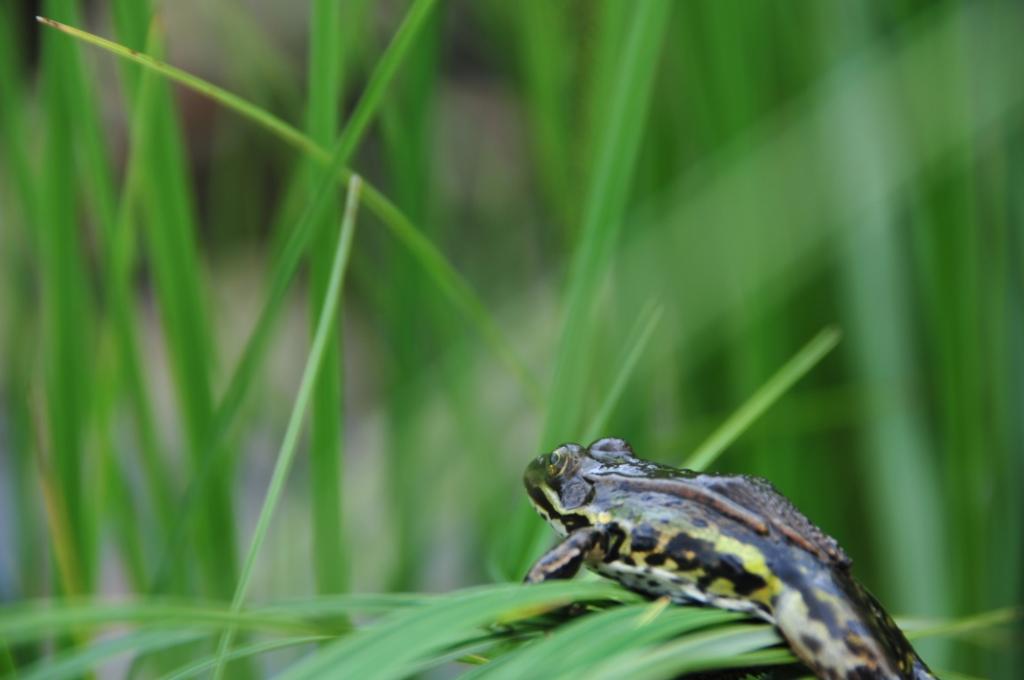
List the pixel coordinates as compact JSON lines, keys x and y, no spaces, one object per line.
{"x":772,"y":170}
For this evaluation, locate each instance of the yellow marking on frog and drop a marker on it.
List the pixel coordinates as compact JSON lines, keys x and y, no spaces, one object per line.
{"x":724,"y":587}
{"x":604,"y":517}
{"x":693,"y":575}
{"x":751,"y":558}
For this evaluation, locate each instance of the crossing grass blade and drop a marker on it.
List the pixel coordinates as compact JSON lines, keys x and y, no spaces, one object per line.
{"x":853,"y":163}
{"x":243,"y":652}
{"x":434,"y":263}
{"x":393,"y":646}
{"x":169,"y":213}
{"x":287,"y":264}
{"x":75,"y":662}
{"x":640,"y":637}
{"x":120,"y":265}
{"x":759,"y":402}
{"x":719,"y":648}
{"x":577,"y":646}
{"x":325,"y":323}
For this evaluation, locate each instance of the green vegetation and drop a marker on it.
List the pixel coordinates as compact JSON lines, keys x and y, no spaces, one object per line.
{"x":577,"y":219}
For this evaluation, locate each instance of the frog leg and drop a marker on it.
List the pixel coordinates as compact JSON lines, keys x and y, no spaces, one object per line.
{"x":566,"y":558}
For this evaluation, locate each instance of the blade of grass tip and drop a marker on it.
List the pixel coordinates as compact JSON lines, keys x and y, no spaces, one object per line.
{"x":953,"y":675}
{"x":447,"y":279}
{"x":635,"y":345}
{"x":967,"y":624}
{"x":761,"y":400}
{"x":96,"y":176}
{"x":261,"y":117}
{"x":288,"y":446}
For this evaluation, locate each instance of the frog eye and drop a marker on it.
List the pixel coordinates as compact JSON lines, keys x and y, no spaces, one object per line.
{"x":561,"y":459}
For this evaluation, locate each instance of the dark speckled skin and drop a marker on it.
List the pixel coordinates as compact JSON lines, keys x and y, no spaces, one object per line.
{"x":729,"y":541}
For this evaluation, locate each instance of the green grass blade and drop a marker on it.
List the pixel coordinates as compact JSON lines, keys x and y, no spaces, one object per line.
{"x":968,"y":624}
{"x":119,"y":270}
{"x":453,"y":286}
{"x":617,"y":149}
{"x":243,"y":652}
{"x":546,"y":60}
{"x":67,"y":306}
{"x":398,"y":643}
{"x":573,"y":648}
{"x":326,"y":410}
{"x":169,"y":210}
{"x":444,"y":275}
{"x":759,"y":402}
{"x":18,"y":232}
{"x":95,"y":175}
{"x":75,"y":662}
{"x":6,"y":660}
{"x":636,"y":343}
{"x":259,"y":116}
{"x":13,"y":126}
{"x":411,"y":314}
{"x":33,"y":620}
{"x":716,"y":649}
{"x":246,"y":369}
{"x":328,"y":313}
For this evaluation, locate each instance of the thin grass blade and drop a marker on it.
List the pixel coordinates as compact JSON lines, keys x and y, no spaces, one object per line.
{"x":646,"y":323}
{"x":445,"y":276}
{"x":326,"y":413}
{"x":328,"y":313}
{"x":398,"y":643}
{"x":759,"y":402}
{"x":617,"y":147}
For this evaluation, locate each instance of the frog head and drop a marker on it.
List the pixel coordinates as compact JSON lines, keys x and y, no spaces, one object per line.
{"x":562,"y":482}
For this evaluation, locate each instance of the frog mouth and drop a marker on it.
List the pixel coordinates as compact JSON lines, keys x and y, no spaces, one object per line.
{"x":542,"y":502}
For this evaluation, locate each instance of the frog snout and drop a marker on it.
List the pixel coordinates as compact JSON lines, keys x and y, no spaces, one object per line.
{"x":535,"y":471}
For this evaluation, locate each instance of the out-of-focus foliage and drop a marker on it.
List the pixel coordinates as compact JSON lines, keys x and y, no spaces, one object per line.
{"x":579,"y":216}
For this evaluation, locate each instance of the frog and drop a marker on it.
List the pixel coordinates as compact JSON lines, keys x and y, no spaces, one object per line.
{"x":721,"y":540}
